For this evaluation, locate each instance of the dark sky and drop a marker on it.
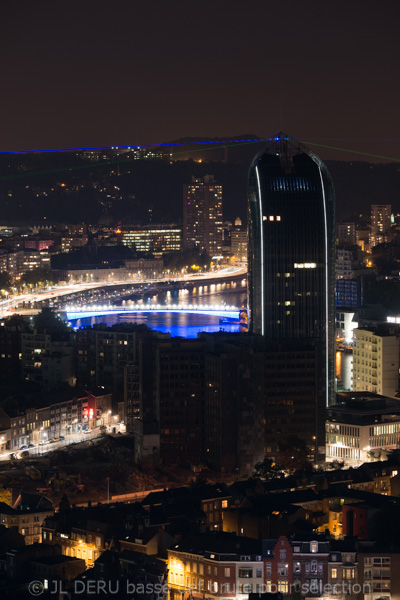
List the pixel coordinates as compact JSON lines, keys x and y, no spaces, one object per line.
{"x":129,"y":72}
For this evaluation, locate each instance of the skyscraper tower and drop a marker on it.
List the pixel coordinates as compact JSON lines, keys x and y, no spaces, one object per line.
{"x":291,"y":264}
{"x":202,"y":215}
{"x":380,"y":224}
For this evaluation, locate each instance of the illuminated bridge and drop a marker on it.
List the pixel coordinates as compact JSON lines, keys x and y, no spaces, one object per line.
{"x":227,"y":312}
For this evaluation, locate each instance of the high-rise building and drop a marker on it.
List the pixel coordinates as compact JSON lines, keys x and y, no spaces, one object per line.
{"x":291,"y":282}
{"x":202,"y":215}
{"x":376,"y":360}
{"x":233,"y":401}
{"x":380,"y":224}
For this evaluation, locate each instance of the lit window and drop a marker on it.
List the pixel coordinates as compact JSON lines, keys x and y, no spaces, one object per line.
{"x":271,"y":218}
{"x":314,"y":546}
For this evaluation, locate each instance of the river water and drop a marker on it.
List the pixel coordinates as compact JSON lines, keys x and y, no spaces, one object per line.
{"x":181,"y":324}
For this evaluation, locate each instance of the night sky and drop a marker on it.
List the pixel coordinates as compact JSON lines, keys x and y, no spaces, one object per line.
{"x":128,"y":72}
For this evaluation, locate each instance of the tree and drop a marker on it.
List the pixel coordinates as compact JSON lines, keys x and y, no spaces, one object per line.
{"x":64,"y":506}
{"x":268,"y":470}
{"x":50,"y":322}
{"x":17,"y":321}
{"x":335,"y":465}
{"x":5,"y":283}
{"x":40,"y":276}
{"x":293,"y":454}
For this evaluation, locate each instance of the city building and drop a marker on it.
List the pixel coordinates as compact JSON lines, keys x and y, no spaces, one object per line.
{"x":31,"y":259}
{"x":202,"y":215}
{"x":361,"y":427}
{"x":350,"y":293}
{"x":178,"y":372}
{"x":349,"y":262}
{"x":152,"y":239}
{"x":239,"y":245}
{"x":376,"y":360}
{"x":233,"y":402}
{"x":216,"y":566}
{"x":71,"y":242}
{"x":11,"y":262}
{"x":102,"y":355}
{"x":294,"y":399}
{"x":350,"y":274}
{"x":48,"y":358}
{"x":291,"y":282}
{"x":144,"y":268}
{"x":379,"y":574}
{"x":346,"y":234}
{"x":380,"y":224}
{"x":60,"y":419}
{"x":27,"y":515}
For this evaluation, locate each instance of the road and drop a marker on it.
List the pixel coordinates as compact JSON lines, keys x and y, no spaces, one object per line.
{"x":40,"y":450}
{"x":9,"y":306}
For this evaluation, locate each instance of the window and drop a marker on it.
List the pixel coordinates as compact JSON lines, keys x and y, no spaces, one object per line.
{"x":314,"y":547}
{"x":268,"y":570}
{"x":296,"y":567}
{"x":227,"y":572}
{"x":348,"y":573}
{"x":246,"y":573}
{"x":334,"y":573}
{"x":258,"y":572}
{"x":314,"y":566}
{"x":367,"y":574}
{"x":201,"y":569}
{"x":282,"y":570}
{"x":283,"y":586}
{"x":224,"y":503}
{"x":282,"y":554}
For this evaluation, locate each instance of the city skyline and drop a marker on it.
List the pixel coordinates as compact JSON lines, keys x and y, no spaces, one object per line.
{"x":340,"y":58}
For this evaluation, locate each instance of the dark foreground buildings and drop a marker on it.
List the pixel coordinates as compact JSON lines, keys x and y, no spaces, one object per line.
{"x":291,"y":288}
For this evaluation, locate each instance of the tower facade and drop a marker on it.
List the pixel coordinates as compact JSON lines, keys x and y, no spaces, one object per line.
{"x":202,"y":215}
{"x":291,"y":283}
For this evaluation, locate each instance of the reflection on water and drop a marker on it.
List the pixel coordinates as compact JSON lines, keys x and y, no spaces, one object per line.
{"x":230,"y":294}
{"x":181,"y":324}
{"x":177,"y":324}
{"x":344,"y":371}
